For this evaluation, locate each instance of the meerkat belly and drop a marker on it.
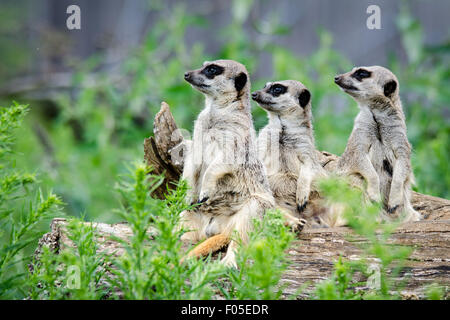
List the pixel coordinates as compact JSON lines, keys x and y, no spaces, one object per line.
{"x":283,"y":180}
{"x":284,"y":186}
{"x":206,"y":155}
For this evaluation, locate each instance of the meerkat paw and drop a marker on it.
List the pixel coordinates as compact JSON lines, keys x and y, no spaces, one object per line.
{"x":302,"y":205}
{"x":392,"y":209}
{"x":296,"y":224}
{"x":203,"y":197}
{"x":191,"y":199}
{"x":414,"y":216}
{"x":302,"y":197}
{"x":302,"y":200}
{"x":395,"y":202}
{"x":229,"y":260}
{"x":374,"y":195}
{"x":190,"y":236}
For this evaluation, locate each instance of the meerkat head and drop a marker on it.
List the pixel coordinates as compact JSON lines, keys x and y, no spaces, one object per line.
{"x":221,"y":79}
{"x":284,"y":97}
{"x":369,"y":83}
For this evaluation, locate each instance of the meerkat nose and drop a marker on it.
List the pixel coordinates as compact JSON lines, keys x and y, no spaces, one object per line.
{"x":187,"y":75}
{"x":337,"y":78}
{"x":254,"y":95}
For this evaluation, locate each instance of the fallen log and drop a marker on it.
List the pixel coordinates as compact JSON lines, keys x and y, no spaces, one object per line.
{"x":314,"y":253}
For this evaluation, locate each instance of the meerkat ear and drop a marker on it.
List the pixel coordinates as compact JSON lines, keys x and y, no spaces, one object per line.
{"x":240,"y":81}
{"x":390,"y":87}
{"x":304,"y":98}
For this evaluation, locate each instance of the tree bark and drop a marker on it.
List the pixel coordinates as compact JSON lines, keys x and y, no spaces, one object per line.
{"x":316,"y":250}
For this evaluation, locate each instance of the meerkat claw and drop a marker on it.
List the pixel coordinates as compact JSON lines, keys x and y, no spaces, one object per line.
{"x":203,"y":200}
{"x":299,"y":227}
{"x":301,"y":207}
{"x":392,"y":209}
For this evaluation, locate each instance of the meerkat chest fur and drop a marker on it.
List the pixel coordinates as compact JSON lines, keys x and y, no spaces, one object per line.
{"x":222,"y":129}
{"x":295,"y":143}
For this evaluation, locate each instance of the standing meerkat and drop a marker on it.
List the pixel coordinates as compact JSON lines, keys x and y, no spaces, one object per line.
{"x":287,"y":149}
{"x":221,"y":166}
{"x":378,"y":148}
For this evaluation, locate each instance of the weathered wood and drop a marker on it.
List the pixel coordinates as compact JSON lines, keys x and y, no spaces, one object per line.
{"x":157,"y":150}
{"x":314,"y":255}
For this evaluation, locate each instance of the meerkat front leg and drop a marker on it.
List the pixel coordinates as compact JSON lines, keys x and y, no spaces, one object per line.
{"x":364,"y":167}
{"x":368,"y":172}
{"x":305,"y":177}
{"x":399,"y":176}
{"x":189,"y":174}
{"x":213,"y":173}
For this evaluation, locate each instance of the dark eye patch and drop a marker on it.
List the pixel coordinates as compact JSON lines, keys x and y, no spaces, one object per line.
{"x":212,"y":70}
{"x":361,"y":74}
{"x":277,"y":90}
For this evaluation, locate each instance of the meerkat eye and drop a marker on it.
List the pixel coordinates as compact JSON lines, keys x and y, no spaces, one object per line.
{"x":212,"y":70}
{"x":277,"y":89}
{"x":361,"y":74}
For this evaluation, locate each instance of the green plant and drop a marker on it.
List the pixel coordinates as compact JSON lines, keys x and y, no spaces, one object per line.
{"x":22,"y":208}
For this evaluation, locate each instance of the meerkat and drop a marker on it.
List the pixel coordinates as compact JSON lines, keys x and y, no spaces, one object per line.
{"x":287,"y":148}
{"x":378,"y":149}
{"x":221,"y":166}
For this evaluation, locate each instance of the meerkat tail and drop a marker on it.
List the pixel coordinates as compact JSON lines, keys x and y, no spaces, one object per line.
{"x":210,"y":245}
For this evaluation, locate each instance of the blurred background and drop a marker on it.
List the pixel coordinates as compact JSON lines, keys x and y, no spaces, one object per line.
{"x":94,"y":92}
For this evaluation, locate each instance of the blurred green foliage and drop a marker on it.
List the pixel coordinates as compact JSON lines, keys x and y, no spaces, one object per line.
{"x":101,"y":126}
{"x":13,"y":53}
